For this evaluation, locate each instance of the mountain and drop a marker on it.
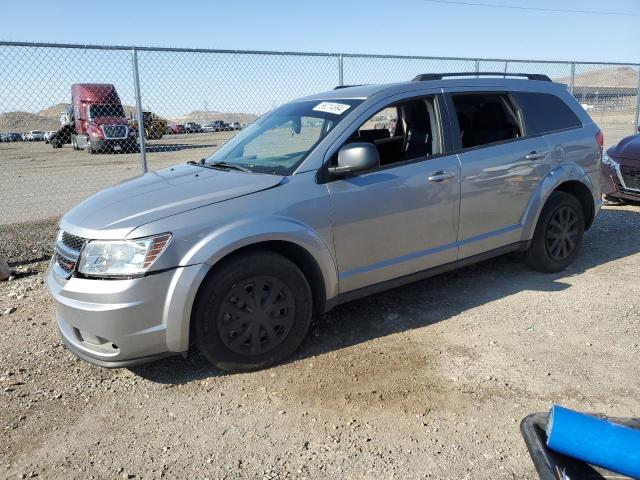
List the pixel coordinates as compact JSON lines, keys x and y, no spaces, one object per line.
{"x":25,"y":121}
{"x":621,"y":77}
{"x":48,"y":118}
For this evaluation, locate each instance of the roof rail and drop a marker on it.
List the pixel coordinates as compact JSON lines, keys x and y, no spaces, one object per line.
{"x":346,"y":86}
{"x":424,"y":77}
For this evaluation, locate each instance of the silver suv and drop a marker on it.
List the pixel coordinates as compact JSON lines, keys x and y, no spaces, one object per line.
{"x":323,"y":200}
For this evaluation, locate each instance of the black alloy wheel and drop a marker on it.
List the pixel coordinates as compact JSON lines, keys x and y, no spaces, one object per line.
{"x":562,"y":233}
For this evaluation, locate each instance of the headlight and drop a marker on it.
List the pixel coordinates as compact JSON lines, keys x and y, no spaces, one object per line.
{"x":103,"y":258}
{"x":607,"y":160}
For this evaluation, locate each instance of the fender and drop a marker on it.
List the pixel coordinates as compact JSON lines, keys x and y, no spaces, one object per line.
{"x":219,"y":243}
{"x":552,"y":180}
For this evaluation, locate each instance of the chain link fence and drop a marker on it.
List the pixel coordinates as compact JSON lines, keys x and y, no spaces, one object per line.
{"x":184,"y":103}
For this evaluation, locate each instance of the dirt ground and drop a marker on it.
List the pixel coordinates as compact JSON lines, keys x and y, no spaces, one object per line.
{"x":426,"y":381}
{"x":38,"y":181}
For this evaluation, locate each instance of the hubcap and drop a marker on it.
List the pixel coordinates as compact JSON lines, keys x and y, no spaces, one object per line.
{"x":562,"y":233}
{"x":256,"y":315}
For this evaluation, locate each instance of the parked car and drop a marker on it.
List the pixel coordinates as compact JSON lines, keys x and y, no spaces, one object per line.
{"x":621,"y":171}
{"x":208,"y":127}
{"x":235,"y":253}
{"x":34,"y":136}
{"x":235,"y":126}
{"x":11,"y":137}
{"x":217,"y":126}
{"x":47,"y":135}
{"x":176,"y":128}
{"x":192,"y":127}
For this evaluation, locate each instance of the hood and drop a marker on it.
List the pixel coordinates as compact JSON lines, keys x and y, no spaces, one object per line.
{"x":110,"y":121}
{"x":115,"y":211}
{"x":628,"y":148}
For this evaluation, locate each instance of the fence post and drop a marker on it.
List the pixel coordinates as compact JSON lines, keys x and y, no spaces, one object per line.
{"x":572,"y":82}
{"x":136,"y":83}
{"x":506,"y":67}
{"x":477,"y":67}
{"x":340,"y":70}
{"x":637,"y":119}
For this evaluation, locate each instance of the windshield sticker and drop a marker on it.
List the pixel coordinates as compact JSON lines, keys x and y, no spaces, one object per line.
{"x":331,"y":107}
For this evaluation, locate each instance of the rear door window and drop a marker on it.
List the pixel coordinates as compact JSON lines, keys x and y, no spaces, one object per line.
{"x":546,"y":113}
{"x":486,"y":118}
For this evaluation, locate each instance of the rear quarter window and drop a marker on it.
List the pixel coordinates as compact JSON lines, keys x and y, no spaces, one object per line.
{"x":546,"y":113}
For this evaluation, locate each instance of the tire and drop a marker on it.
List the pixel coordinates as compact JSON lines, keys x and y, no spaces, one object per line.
{"x":225,"y":320}
{"x":558,"y":235}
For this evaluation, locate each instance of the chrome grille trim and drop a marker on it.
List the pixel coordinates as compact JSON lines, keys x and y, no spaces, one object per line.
{"x":62,"y":265}
{"x":115,"y":132}
{"x":66,"y":254}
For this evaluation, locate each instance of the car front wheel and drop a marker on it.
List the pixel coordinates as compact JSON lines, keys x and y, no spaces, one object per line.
{"x":252,"y":312}
{"x":558,"y":234}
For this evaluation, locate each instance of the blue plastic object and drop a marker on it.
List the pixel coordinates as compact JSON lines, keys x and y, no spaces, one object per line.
{"x":595,"y":441}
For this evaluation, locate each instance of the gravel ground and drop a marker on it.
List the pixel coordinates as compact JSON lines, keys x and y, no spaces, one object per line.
{"x":426,"y":381}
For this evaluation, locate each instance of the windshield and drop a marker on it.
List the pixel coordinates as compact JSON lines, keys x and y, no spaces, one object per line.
{"x":279,"y":141}
{"x":114,"y":110}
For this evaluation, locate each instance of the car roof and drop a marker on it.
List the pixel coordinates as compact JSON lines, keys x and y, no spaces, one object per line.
{"x":368,"y":91}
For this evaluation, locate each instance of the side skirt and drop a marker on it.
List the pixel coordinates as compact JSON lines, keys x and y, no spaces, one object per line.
{"x":414,"y":277}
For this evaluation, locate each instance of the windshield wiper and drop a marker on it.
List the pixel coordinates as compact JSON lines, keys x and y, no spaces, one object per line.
{"x":227,"y":166}
{"x":199,"y":162}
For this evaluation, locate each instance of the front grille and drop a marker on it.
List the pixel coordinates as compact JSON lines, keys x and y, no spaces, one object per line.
{"x":631,"y":176}
{"x":114,"y":131}
{"x":66,"y":264}
{"x":73,"y":242}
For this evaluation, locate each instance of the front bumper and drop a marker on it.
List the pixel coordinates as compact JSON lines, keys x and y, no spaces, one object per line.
{"x":613,"y":186}
{"x":115,"y":145}
{"x":116,"y":323}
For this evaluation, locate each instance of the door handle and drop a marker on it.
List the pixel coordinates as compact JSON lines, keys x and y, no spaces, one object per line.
{"x":441,"y":175}
{"x":535,"y":156}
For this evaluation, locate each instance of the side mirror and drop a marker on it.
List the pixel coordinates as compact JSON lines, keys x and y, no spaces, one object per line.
{"x":356,"y":157}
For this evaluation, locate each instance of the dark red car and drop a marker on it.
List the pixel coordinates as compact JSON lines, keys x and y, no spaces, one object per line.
{"x":621,"y":171}
{"x":176,"y":128}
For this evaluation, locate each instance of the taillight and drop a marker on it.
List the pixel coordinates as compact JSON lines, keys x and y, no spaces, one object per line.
{"x":600,"y":138}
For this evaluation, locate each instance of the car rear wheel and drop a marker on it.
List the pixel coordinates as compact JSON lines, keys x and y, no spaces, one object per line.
{"x":558,"y":234}
{"x":254,"y":311}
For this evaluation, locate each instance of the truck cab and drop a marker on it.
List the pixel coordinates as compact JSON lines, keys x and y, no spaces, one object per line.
{"x":100,"y":123}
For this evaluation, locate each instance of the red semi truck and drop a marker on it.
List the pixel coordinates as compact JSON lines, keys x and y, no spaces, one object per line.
{"x":99,"y":120}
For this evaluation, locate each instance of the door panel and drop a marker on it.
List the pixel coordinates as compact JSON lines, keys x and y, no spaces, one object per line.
{"x":394,"y":221}
{"x":498,"y":182}
{"x":498,"y":179}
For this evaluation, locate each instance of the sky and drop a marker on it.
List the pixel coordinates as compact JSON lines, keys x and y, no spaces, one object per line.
{"x":405,"y":27}
{"x":174,"y":84}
